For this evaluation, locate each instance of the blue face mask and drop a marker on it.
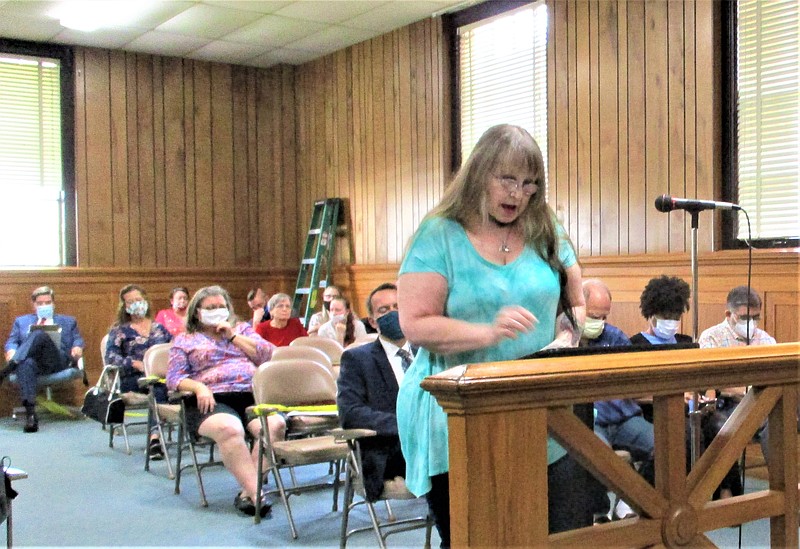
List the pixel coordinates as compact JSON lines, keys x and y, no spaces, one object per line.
{"x":44,"y":311}
{"x":389,"y":326}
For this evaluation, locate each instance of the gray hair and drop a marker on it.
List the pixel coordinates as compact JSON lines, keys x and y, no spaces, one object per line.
{"x":742,"y":296}
{"x":277,"y":298}
{"x":193,"y":323}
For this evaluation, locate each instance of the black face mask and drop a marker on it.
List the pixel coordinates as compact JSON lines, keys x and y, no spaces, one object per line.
{"x":326,"y":305}
{"x":389,"y":326}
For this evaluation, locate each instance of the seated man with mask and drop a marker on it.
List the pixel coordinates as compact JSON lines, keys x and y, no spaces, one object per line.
{"x":739,"y":328}
{"x":368,"y":382}
{"x":619,"y":422}
{"x":31,"y":353}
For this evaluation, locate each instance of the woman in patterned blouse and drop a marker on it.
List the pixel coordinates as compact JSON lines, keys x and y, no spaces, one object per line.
{"x":215,"y":359}
{"x":131,"y":335}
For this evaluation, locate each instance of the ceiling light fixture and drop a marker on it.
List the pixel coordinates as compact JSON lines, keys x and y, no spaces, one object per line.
{"x":92,"y":15}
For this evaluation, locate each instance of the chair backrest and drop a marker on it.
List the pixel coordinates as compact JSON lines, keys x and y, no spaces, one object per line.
{"x":156,"y":360}
{"x":369,"y":338}
{"x":293,"y":382}
{"x":303,"y":352}
{"x":103,"y":344}
{"x":328,"y":346}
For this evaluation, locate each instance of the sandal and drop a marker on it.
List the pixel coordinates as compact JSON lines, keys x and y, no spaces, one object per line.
{"x":154,"y":450}
{"x":245,"y":505}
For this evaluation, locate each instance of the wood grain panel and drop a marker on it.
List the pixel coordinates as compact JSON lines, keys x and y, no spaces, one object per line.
{"x":381,"y":149}
{"x":167,"y":161}
{"x":99,"y":156}
{"x":145,"y":207}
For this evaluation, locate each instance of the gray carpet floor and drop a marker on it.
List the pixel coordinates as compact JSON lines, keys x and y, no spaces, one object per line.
{"x":80,"y":493}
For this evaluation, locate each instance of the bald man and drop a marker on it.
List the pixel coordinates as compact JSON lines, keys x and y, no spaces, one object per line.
{"x":619,"y":422}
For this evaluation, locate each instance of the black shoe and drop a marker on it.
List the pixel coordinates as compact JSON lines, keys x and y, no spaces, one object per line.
{"x":6,"y":371}
{"x":31,"y":423}
{"x":245,"y":505}
{"x":155,"y":451}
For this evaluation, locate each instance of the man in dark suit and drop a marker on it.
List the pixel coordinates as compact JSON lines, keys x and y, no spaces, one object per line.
{"x":32,"y":353}
{"x":368,"y":382}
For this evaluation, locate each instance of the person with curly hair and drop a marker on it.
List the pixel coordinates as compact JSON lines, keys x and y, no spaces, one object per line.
{"x":663,"y":302}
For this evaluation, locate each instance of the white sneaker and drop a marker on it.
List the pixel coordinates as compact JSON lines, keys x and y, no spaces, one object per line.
{"x":623,"y":511}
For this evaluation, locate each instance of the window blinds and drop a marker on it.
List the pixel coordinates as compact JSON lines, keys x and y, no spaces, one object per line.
{"x":768,"y":107}
{"x":503,"y":75}
{"x":30,"y":160}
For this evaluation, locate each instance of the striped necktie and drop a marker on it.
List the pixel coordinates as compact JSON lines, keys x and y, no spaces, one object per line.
{"x":405,"y":358}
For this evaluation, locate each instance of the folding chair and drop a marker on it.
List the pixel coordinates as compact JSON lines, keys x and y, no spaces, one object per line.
{"x":187,"y":441}
{"x":295,"y":386}
{"x":369,"y":338}
{"x":392,"y":490}
{"x":156,"y":364}
{"x":48,"y":381}
{"x":135,"y":403}
{"x":328,"y":346}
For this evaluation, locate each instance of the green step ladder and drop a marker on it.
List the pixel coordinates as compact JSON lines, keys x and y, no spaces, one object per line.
{"x":316,"y":264}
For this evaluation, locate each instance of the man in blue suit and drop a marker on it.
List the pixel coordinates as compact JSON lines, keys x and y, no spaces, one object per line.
{"x":32,"y":353}
{"x":369,"y":379}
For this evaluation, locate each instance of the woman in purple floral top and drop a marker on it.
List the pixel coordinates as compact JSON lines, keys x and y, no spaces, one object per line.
{"x":131,"y":335}
{"x":215,"y":359}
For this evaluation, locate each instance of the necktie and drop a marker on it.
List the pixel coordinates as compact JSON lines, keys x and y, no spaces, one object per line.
{"x":405,"y":358}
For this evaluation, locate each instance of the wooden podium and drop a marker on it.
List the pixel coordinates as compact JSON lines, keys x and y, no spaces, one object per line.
{"x":499,"y":415}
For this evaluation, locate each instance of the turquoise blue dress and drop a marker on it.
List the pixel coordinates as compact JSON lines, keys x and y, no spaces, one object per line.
{"x":477,"y":290}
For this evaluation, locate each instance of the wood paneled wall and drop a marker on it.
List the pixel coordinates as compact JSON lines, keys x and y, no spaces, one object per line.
{"x":183,"y":163}
{"x":775,"y":277}
{"x":373,"y":128}
{"x":632,"y":110}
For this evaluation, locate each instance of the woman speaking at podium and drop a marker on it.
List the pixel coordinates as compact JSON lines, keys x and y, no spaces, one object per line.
{"x":483,"y":279}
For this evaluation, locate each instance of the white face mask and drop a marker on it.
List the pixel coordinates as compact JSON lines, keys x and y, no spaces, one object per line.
{"x":666,"y":329}
{"x":213,"y":317}
{"x":337,"y":319}
{"x":593,"y":328}
{"x":741,"y":327}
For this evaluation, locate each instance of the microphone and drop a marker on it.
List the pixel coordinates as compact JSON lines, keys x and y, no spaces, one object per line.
{"x":666,"y":203}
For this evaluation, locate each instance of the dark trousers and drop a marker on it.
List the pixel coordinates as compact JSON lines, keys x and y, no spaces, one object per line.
{"x":37,"y":356}
{"x":570,"y":493}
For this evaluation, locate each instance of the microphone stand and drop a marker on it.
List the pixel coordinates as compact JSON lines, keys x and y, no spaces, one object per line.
{"x":695,"y":427}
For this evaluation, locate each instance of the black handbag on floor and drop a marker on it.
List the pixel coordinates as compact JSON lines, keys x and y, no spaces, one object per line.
{"x":102,"y":406}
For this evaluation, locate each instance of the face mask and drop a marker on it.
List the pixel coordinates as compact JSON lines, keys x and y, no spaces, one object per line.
{"x":593,"y":328}
{"x":326,"y":305}
{"x":44,"y":311}
{"x":137,"y":308}
{"x":336,"y":319}
{"x":666,"y":329}
{"x":741,"y":328}
{"x":213,"y":317}
{"x":389,"y":326}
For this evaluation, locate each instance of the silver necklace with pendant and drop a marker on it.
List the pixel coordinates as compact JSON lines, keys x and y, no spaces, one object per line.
{"x":504,"y":246}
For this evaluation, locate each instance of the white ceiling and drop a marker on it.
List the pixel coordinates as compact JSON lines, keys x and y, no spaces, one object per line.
{"x":260,"y":33}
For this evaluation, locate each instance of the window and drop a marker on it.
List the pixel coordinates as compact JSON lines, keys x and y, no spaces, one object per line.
{"x":765,"y":121}
{"x":33,"y":186}
{"x":502,"y":71}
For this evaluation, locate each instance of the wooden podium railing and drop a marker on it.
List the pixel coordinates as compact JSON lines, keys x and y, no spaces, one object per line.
{"x":499,"y":415}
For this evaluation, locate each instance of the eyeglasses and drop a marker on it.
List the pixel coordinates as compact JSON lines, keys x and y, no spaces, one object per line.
{"x":512,"y":184}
